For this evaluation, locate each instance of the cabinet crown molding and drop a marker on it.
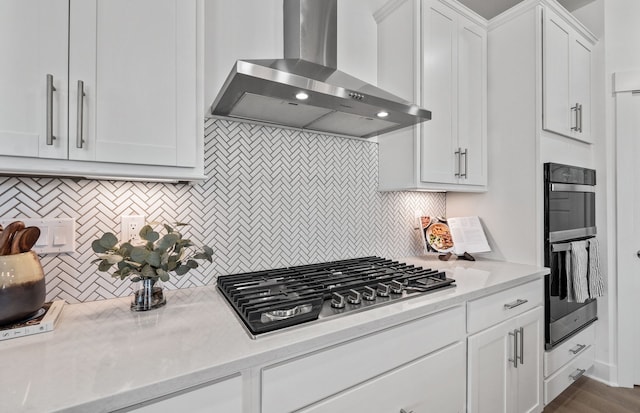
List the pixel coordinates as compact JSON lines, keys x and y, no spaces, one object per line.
{"x":556,"y":7}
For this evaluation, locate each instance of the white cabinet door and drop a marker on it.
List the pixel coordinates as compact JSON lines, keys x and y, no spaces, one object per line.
{"x":505,"y":366}
{"x":439,"y":161}
{"x":581,"y":86}
{"x":414,"y":387}
{"x":33,"y":44}
{"x":557,"y":116}
{"x":472,"y":102}
{"x":453,"y":142}
{"x":137,"y":60}
{"x":529,"y":369}
{"x":490,"y":372}
{"x":224,"y":396}
{"x":566,"y":79}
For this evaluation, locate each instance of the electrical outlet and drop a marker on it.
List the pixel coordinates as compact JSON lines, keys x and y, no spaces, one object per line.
{"x":130,"y":226}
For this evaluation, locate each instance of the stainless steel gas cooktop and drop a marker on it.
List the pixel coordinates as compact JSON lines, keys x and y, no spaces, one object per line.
{"x":275,"y":299}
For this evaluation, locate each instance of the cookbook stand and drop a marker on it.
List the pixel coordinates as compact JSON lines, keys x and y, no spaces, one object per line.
{"x":466,"y":257}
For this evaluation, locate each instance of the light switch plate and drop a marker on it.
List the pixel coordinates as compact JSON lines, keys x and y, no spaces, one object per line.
{"x":57,"y":235}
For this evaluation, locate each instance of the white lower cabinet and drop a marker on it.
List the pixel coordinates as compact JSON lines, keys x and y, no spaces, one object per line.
{"x":221,"y":396}
{"x":356,"y":370}
{"x":565,"y":363}
{"x":408,"y":388}
{"x":505,"y":366}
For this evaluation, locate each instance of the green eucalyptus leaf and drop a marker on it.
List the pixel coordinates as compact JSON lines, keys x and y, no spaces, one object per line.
{"x":136,"y":279}
{"x":192,"y":264}
{"x":148,"y":272}
{"x":168,"y":241}
{"x":125,"y":249}
{"x":180,"y":224}
{"x":97,"y":247}
{"x":164,"y":258}
{"x":145,"y":231}
{"x":96,"y":260}
{"x":164,"y":276}
{"x":113,"y":258}
{"x":139,"y":254}
{"x":104,"y":265}
{"x":172,"y":264}
{"x":182,"y":270}
{"x":207,"y":250}
{"x":201,"y":256}
{"x":168,"y":228}
{"x":108,"y":240}
{"x":153,"y":259}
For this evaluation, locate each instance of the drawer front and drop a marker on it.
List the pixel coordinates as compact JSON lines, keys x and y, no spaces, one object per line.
{"x":222,"y":396}
{"x":413,"y":387}
{"x":294,"y":384}
{"x":565,"y":377}
{"x":570,"y":349}
{"x":495,"y":308}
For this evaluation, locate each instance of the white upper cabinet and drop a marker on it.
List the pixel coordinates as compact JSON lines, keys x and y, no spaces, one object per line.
{"x":33,"y":46}
{"x":137,"y":62}
{"x":566,"y":65}
{"x":454,"y":88}
{"x":434,"y":52}
{"x":133,"y":93}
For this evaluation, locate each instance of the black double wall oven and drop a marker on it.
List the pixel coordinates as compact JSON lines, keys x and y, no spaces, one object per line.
{"x":569,"y":215}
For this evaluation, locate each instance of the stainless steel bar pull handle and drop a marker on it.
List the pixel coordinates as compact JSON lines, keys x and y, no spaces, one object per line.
{"x":79,"y":120}
{"x":466,"y":164}
{"x":515,"y":304}
{"x":521,"y":357}
{"x":580,"y":117}
{"x":457,"y":153}
{"x":576,"y":115}
{"x":50,"y":90}
{"x":578,"y":348}
{"x":578,"y":373}
{"x":514,"y":360}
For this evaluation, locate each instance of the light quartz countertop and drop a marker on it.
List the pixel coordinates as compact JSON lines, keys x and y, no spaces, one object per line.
{"x":102,"y":356}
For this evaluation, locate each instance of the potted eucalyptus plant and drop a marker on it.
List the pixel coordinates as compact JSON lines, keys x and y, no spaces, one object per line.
{"x":149,"y":264}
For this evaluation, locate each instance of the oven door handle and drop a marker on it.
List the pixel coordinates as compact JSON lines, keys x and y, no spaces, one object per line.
{"x":572,"y":188}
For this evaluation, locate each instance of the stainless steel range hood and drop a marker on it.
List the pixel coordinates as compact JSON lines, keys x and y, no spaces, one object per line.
{"x":305,"y":90}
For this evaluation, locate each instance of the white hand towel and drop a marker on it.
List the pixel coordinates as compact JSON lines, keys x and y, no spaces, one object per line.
{"x":596,"y":278}
{"x":577,"y":267}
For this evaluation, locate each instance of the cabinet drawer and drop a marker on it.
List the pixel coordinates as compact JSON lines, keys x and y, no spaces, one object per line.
{"x":221,"y":396}
{"x":413,"y":387}
{"x":573,"y":347}
{"x":562,"y":379}
{"x":294,"y":384}
{"x":495,"y":308}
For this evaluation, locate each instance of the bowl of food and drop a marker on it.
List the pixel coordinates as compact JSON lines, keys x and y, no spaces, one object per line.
{"x":439,"y":237}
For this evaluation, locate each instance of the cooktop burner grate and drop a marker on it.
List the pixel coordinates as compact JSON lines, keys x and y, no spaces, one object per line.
{"x":274,"y":299}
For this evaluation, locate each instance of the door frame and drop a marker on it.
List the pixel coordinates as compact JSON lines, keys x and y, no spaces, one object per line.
{"x":628,"y":284}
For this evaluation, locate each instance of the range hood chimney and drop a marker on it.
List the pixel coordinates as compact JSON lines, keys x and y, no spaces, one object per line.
{"x":305,"y":90}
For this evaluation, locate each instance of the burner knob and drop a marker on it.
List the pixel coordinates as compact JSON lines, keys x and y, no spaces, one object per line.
{"x":396,"y":287}
{"x":337,"y":300}
{"x":354,"y":297}
{"x":369,"y":294}
{"x":383,"y":290}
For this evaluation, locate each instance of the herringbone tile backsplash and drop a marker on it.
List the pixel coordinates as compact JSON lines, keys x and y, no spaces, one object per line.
{"x":274,"y":198}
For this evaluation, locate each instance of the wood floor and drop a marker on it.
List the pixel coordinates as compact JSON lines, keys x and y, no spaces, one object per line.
{"x":590,"y":396}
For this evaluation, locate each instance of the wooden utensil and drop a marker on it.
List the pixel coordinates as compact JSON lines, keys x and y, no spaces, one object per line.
{"x":7,"y":236}
{"x":29,"y":238}
{"x":15,"y":242}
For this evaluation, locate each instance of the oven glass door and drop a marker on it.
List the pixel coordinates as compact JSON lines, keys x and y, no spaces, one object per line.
{"x":571,"y":212}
